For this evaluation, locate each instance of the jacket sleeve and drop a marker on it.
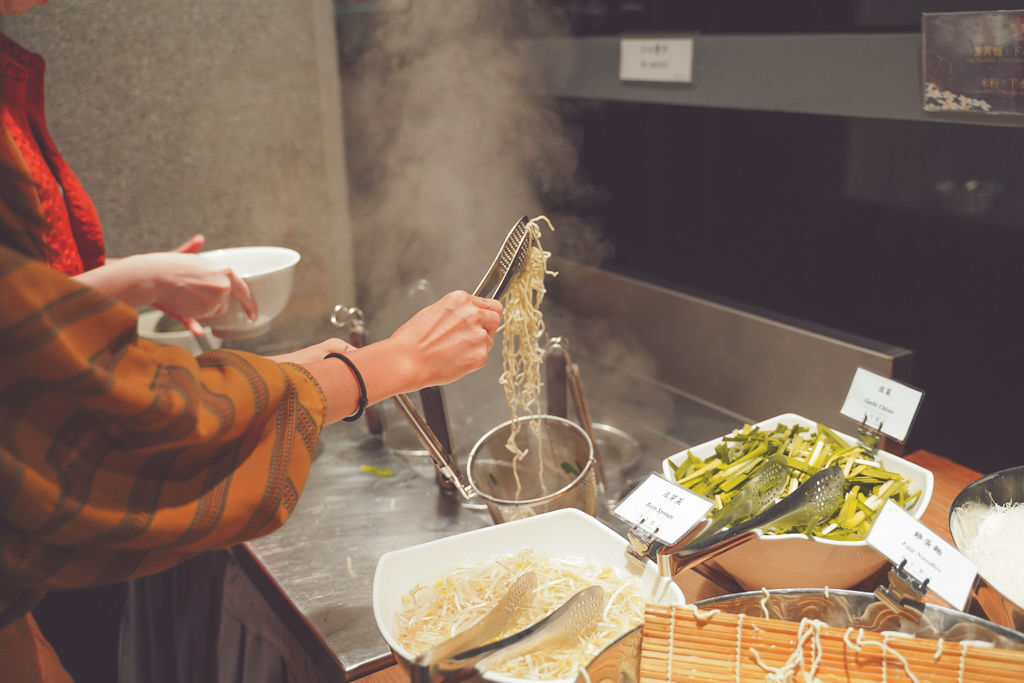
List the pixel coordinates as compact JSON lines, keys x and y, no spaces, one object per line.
{"x":120,"y":457}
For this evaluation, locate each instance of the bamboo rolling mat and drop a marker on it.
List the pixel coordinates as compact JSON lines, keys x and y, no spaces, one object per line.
{"x":681,"y":644}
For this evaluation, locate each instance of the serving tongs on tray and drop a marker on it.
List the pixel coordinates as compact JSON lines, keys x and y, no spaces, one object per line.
{"x":814,"y":501}
{"x":467,"y":653}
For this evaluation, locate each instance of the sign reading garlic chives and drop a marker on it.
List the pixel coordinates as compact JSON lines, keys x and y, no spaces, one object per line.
{"x":882,"y":404}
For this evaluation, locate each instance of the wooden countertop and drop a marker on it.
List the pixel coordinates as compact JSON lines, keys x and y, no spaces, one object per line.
{"x":950,"y":479}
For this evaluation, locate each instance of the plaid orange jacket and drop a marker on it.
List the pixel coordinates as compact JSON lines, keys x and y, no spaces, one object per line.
{"x":120,"y":457}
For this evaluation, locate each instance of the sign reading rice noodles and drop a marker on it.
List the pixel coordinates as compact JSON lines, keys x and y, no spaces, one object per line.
{"x":523,"y":327}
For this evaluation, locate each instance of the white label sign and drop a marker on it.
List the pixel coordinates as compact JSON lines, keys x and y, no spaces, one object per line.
{"x":663,"y":509}
{"x":882,"y":403}
{"x":664,"y":60}
{"x":898,"y":536}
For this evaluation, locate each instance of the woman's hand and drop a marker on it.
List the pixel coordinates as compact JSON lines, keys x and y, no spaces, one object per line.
{"x":315,"y":352}
{"x":178,"y":282}
{"x":189,"y":286}
{"x":438,"y":345}
{"x":448,"y":339}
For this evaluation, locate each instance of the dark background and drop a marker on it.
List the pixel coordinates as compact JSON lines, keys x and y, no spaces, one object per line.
{"x":907,"y":232}
{"x":757,"y":207}
{"x":911,"y":233}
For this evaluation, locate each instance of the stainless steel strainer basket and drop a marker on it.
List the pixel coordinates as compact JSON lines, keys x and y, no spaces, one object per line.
{"x":557,"y":471}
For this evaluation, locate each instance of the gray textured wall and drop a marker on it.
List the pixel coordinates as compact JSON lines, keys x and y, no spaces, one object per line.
{"x":219,"y":117}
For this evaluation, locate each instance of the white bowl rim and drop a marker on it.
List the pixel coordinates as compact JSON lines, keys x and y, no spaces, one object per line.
{"x":916,"y":512}
{"x":293,"y":257}
{"x":147,"y":326}
{"x":571,"y":514}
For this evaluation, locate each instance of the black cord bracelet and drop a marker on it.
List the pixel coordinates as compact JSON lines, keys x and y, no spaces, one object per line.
{"x":362,"y":387}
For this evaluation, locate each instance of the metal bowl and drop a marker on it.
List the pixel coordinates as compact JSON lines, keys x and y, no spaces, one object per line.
{"x":619,"y":662}
{"x":558,"y":471}
{"x":998,"y":488}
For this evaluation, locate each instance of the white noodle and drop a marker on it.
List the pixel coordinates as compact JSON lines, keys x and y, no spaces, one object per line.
{"x":672,"y":640}
{"x":809,"y":630}
{"x":739,"y":645}
{"x":883,"y":645}
{"x":702,"y":617}
{"x":480,"y":587}
{"x":521,"y":353}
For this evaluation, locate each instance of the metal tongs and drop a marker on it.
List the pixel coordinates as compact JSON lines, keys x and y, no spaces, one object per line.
{"x":468,"y":652}
{"x":506,"y":266}
{"x":563,"y":373}
{"x":508,"y":262}
{"x":813,"y":501}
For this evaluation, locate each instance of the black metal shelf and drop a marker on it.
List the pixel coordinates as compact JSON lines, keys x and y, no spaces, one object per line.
{"x":861,"y":75}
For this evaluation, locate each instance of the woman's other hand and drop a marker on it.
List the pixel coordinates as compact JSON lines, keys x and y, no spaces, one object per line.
{"x":177,"y":282}
{"x":193,"y":245}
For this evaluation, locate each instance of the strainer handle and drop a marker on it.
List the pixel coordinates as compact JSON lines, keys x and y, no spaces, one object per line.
{"x":426,"y":436}
{"x":561,"y":363}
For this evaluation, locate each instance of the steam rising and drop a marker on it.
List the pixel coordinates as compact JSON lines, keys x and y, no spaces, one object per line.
{"x":448,"y":145}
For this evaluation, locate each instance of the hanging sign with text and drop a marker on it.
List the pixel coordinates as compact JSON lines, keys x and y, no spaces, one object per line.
{"x":882,"y":403}
{"x":973,"y":62}
{"x":660,"y":60}
{"x":662,"y":509}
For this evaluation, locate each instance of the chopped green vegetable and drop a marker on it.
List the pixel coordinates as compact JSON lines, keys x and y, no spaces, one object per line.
{"x":867,"y":487}
{"x":377,"y":471}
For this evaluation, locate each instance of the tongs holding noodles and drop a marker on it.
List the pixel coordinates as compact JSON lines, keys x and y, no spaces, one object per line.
{"x":507,"y":263}
{"x":469,"y":651}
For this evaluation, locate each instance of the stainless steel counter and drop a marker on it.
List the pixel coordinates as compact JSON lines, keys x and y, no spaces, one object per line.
{"x":643,"y":343}
{"x":323,"y":560}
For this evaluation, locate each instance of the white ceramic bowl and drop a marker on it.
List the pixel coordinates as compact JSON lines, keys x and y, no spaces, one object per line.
{"x":148,"y":321}
{"x":798,"y":561}
{"x":270,"y":272}
{"x":566,"y":533}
